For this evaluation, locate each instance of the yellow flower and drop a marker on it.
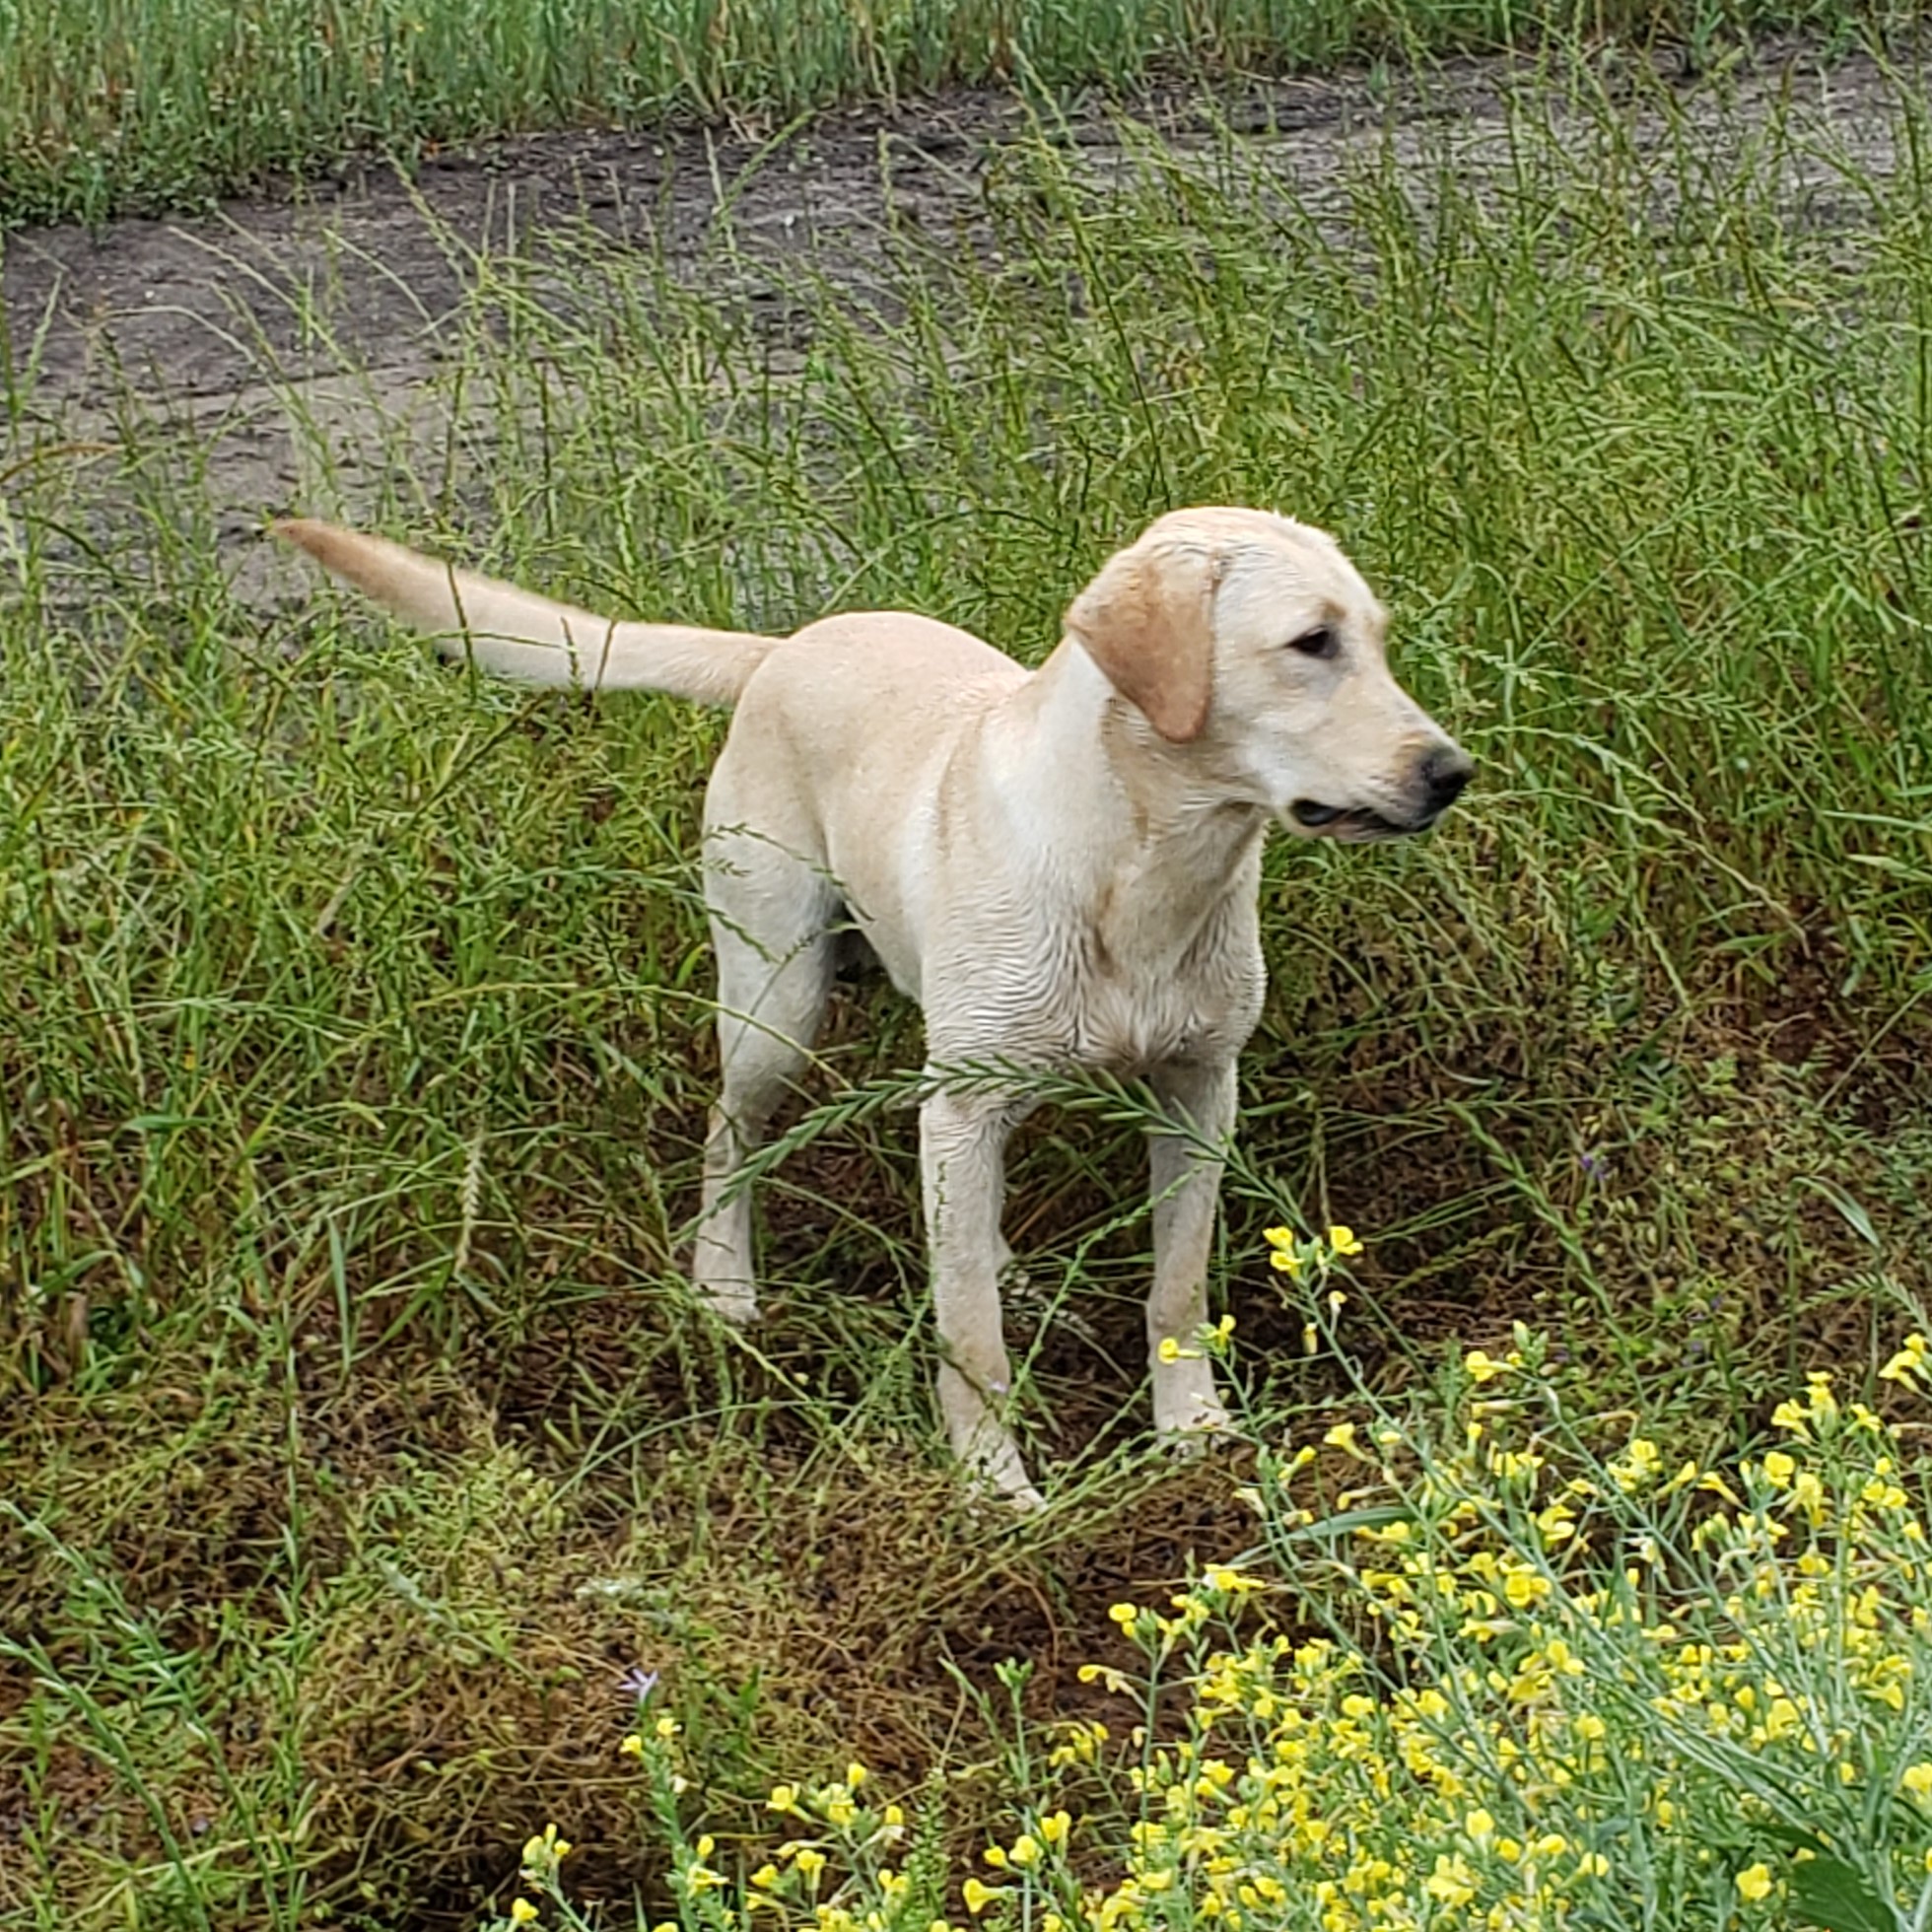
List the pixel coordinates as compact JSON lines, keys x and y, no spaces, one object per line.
{"x":1817,"y":1393}
{"x":1225,"y":1577}
{"x":1123,"y":1615}
{"x":978,"y":1896}
{"x":1917,"y":1779}
{"x":811,"y":1861}
{"x":521,"y":1912}
{"x":1026,"y":1850}
{"x":784,"y":1798}
{"x":545,"y":1854}
{"x":1452,"y":1881}
{"x":1343,"y":1241}
{"x":1907,"y":1362}
{"x":855,"y":1775}
{"x":1287,"y":1251}
{"x":1170,"y":1350}
{"x":1055,"y":1827}
{"x":1342,"y":1436}
{"x":1755,"y":1882}
{"x":1481,"y":1825}
{"x":1642,"y":1465}
{"x":765,"y":1876}
{"x":668,"y":1728}
{"x":632,"y":1746}
{"x":1481,"y":1366}
{"x":1779,"y":1469}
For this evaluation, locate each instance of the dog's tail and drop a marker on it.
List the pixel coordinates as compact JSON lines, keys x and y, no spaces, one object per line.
{"x":517,"y":634}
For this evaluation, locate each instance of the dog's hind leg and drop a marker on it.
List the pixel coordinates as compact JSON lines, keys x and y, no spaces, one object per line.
{"x":771,"y":920}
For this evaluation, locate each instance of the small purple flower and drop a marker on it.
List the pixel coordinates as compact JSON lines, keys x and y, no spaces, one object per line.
{"x":1595,"y":1167}
{"x":639,"y":1681}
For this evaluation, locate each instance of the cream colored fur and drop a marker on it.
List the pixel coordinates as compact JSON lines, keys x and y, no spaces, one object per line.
{"x":1060,"y":865}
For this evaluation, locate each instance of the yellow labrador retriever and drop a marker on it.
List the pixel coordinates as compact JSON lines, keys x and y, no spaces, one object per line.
{"x":1060,"y":865}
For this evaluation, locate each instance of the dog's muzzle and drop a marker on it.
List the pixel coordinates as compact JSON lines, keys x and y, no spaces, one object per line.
{"x":1440,"y":780}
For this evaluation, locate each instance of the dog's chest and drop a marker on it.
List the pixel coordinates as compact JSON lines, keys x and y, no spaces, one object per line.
{"x":1127,"y":1020}
{"x":1079,"y":996}
{"x":1138,"y":974}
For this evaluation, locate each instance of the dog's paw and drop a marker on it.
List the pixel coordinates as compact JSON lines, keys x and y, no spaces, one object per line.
{"x":1189,"y":1420}
{"x":993,"y":1461}
{"x":1187,"y":1402}
{"x":735,"y":1303}
{"x":1198,"y":1445}
{"x":1023,"y":1499}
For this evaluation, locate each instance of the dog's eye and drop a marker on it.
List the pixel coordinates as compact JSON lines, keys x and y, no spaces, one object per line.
{"x":1319,"y":643}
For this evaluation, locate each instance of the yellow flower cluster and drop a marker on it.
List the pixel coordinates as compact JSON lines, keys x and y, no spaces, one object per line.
{"x":1600,"y":1678}
{"x":1311,"y":1261}
{"x":1590,"y":1669}
{"x":1293,"y":1256}
{"x":842,"y":1870}
{"x":543,"y":1853}
{"x":1559,"y":1687}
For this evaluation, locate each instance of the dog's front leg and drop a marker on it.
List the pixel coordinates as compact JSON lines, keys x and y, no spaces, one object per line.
{"x":1187,"y":1188}
{"x":962,"y":1150}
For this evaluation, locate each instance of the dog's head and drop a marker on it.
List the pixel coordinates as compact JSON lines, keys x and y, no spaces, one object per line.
{"x":1252,"y":640}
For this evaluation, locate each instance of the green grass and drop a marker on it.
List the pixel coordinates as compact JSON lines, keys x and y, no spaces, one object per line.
{"x":359,"y":1430}
{"x":112,"y":104}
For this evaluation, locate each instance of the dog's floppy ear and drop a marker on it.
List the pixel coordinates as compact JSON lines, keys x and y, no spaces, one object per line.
{"x":1148,"y":621}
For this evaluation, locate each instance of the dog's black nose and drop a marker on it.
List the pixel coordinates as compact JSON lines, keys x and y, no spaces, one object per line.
{"x":1445,"y":771}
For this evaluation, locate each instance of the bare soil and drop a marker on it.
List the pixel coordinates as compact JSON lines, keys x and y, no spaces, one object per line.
{"x":334,"y":299}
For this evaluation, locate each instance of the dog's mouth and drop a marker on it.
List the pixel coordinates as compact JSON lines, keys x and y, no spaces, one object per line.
{"x":1354,"y":826}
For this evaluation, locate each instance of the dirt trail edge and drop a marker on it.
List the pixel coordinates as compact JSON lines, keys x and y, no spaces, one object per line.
{"x":214,"y":320}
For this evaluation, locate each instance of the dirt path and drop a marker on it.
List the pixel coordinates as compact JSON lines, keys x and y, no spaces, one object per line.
{"x":159,"y":300}
{"x":335,"y":305}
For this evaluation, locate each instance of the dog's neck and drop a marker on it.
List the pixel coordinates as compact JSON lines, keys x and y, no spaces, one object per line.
{"x":1137,"y":826}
